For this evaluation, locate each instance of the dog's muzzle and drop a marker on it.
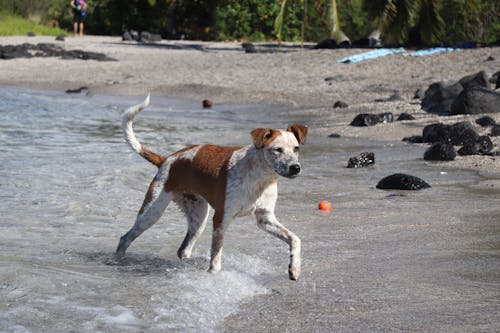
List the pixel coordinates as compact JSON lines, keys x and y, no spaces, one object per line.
{"x":293,"y":170}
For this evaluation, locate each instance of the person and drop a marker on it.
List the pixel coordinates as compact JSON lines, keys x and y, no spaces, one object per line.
{"x":79,"y":14}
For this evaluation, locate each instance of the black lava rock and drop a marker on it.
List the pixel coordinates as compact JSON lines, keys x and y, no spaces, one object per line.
{"x":438,"y":98}
{"x":414,"y":139}
{"x":495,"y":79}
{"x":485,"y":121}
{"x":126,"y":36}
{"x":48,"y":50}
{"x":440,"y":152}
{"x":249,"y":48}
{"x":401,"y":181}
{"x":340,"y":104}
{"x":405,"y":116}
{"x":482,"y":146}
{"x":476,"y":100}
{"x":495,"y":130}
{"x":456,"y":134}
{"x":366,"y":119}
{"x":334,"y":135}
{"x":475,"y":80}
{"x":364,"y":159}
{"x":60,"y":38}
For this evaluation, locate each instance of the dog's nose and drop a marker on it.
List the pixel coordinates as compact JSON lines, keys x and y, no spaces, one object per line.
{"x":294,"y":169}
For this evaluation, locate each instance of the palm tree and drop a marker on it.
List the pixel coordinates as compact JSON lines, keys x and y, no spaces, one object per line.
{"x":395,"y":17}
{"x":334,"y":29}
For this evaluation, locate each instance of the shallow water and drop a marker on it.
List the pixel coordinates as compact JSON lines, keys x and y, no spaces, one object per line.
{"x":381,"y":261}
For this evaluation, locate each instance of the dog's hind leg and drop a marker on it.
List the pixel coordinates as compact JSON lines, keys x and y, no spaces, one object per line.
{"x":196,"y":210}
{"x":154,"y":204}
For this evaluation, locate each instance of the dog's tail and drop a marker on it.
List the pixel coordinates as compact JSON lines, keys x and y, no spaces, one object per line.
{"x":128,"y":131}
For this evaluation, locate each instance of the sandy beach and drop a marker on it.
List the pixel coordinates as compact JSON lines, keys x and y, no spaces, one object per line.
{"x":293,"y":76}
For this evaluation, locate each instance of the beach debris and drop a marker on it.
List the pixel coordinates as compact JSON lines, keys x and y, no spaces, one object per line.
{"x":367,"y":119}
{"x":362,"y":160}
{"x":457,"y":134}
{"x":440,"y":152}
{"x":405,"y":116}
{"x":401,"y":181}
{"x":476,"y":100}
{"x":485,"y":121}
{"x":340,"y":104}
{"x":27,"y":50}
{"x":206,"y":103}
{"x":482,"y":146}
{"x":325,"y":206}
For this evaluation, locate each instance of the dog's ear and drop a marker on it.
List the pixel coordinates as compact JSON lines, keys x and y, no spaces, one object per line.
{"x":260,"y":136}
{"x":300,"y":132}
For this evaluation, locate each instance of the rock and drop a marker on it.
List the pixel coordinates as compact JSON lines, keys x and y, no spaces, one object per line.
{"x":144,"y":36}
{"x":456,"y":134}
{"x":207,"y":104}
{"x":60,"y":38}
{"x":490,"y":58}
{"x":249,"y":48}
{"x":77,"y":90}
{"x":126,"y":36}
{"x":405,"y":116}
{"x":134,"y":34}
{"x":483,"y":145}
{"x":48,"y":50}
{"x":475,"y":80}
{"x":31,"y":34}
{"x":495,"y":130}
{"x":401,"y":181}
{"x":366,"y":119}
{"x":495,"y":79}
{"x":340,"y":104}
{"x":438,"y":98}
{"x":414,"y":139}
{"x":440,"y":152}
{"x":476,"y":100}
{"x":327,"y":44}
{"x":364,"y":159}
{"x":334,"y":135}
{"x":485,"y":121}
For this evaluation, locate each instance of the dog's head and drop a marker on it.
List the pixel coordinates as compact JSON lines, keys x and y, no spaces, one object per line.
{"x":280,"y":148}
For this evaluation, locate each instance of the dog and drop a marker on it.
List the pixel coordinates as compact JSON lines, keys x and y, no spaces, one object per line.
{"x":234,"y":181}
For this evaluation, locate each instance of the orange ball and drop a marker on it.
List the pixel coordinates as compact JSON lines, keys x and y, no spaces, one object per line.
{"x":325,"y":206}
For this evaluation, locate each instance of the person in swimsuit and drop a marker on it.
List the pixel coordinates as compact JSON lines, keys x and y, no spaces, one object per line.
{"x":79,"y":14}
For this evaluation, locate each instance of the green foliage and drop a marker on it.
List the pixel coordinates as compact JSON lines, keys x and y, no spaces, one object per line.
{"x":16,"y":26}
{"x":254,"y":20}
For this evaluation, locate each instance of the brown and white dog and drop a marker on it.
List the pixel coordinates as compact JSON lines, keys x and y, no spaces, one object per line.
{"x":235,"y":181}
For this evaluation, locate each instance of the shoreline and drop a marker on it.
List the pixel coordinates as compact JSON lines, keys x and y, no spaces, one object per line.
{"x":311,"y":80}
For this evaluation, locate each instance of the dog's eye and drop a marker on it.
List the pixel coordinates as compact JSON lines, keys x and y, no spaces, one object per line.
{"x":278,"y":150}
{"x":296,"y":149}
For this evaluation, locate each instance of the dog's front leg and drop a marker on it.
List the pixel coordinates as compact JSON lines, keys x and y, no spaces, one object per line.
{"x":267,"y":221}
{"x":217,"y":239}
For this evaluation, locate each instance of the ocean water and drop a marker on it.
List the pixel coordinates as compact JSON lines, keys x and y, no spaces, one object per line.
{"x":381,"y":261}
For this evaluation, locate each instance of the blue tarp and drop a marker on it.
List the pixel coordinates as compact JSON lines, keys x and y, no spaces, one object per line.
{"x":371,"y":55}
{"x":427,"y":52}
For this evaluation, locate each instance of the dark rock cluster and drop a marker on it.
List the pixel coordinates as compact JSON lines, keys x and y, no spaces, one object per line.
{"x":143,"y":36}
{"x":27,"y":50}
{"x":362,"y":160}
{"x":401,"y":181}
{"x":367,"y":119}
{"x":470,"y":95}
